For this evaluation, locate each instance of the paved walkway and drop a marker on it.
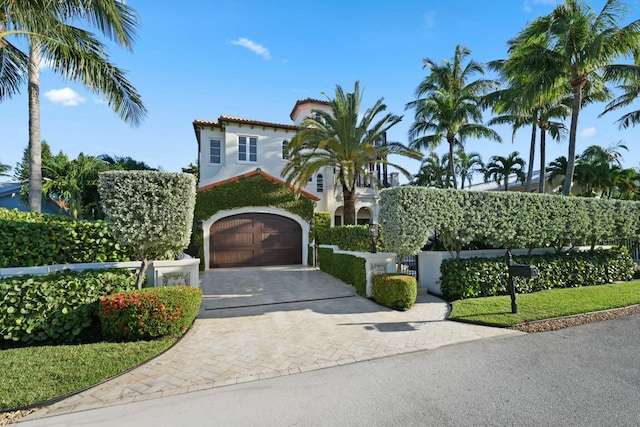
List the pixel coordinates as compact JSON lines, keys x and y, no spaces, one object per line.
{"x":258,"y":323}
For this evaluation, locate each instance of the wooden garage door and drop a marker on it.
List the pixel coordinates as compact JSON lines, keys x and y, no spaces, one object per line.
{"x":255,"y":239}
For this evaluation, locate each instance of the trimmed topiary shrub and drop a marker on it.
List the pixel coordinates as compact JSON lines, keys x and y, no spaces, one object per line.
{"x":150,"y":211}
{"x":481,"y":277}
{"x":348,"y":268}
{"x":395,"y":291}
{"x":31,"y":239}
{"x":58,"y":307}
{"x":149,"y":313}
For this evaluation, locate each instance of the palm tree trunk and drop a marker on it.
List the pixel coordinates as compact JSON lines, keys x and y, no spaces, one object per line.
{"x":452,"y":169}
{"x":35,"y":145}
{"x":571,"y":157}
{"x":349,"y":208}
{"x":532,"y":157}
{"x":543,"y":147}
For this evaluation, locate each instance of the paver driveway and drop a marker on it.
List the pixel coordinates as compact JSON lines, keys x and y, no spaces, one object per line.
{"x":258,"y":323}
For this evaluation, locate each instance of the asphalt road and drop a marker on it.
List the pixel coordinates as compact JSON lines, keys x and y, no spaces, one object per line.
{"x":582,"y":376}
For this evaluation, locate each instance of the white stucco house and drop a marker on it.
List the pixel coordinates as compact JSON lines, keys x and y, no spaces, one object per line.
{"x":232,"y":148}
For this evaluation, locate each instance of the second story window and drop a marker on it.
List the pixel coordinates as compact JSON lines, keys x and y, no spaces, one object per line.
{"x":215,"y":151}
{"x":247,"y":149}
{"x":319,"y":183}
{"x":285,"y":156}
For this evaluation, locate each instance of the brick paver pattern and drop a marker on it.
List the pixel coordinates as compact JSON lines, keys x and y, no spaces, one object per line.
{"x":228,"y":344}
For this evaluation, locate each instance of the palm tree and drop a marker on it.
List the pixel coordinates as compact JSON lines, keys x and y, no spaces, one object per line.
{"x":610,"y":155}
{"x":434,"y":172}
{"x":500,"y":168}
{"x":337,"y":139}
{"x":4,"y":169}
{"x":449,"y":106}
{"x":574,"y":47}
{"x":71,"y":182}
{"x":467,"y":164}
{"x":74,"y":53}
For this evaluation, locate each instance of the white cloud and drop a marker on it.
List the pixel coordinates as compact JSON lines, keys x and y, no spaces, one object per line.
{"x":252,"y":46}
{"x":430,"y":19}
{"x":589,"y":132}
{"x":67,"y":97}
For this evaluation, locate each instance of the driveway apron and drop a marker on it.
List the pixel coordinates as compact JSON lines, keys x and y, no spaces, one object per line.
{"x":259,"y":323}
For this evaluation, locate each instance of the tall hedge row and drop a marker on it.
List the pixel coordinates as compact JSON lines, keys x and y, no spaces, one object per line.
{"x":31,"y":239}
{"x":483,"y":277}
{"x":500,"y":219}
{"x":350,"y":238}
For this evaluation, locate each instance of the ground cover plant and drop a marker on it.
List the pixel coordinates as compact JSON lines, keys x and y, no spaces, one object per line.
{"x":496,"y":310}
{"x":32,"y":375}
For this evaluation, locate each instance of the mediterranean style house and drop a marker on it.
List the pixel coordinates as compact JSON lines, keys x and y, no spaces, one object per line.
{"x":232,"y":149}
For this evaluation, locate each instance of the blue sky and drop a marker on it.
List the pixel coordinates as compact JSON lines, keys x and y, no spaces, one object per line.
{"x":254,"y":59}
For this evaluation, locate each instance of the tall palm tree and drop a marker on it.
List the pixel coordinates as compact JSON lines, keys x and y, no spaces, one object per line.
{"x":448,"y":106}
{"x":610,"y":155}
{"x":434,"y":172}
{"x":467,"y":164}
{"x":343,"y":140}
{"x":575,"y":47}
{"x":500,"y":168}
{"x":73,"y":52}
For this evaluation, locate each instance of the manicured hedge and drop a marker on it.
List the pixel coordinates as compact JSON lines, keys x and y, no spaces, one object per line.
{"x":348,"y":268}
{"x":355,"y":238}
{"x":322,"y":222}
{"x":55,"y":308}
{"x":149,"y":313}
{"x":480,"y":277}
{"x":395,"y":291}
{"x":32,"y":239}
{"x":501,"y":219}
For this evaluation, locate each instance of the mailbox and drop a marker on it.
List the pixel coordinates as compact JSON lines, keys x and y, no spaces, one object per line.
{"x":523,"y":270}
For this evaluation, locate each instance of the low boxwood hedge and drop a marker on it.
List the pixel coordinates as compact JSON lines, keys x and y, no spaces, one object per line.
{"x":149,"y":313}
{"x":395,"y":291}
{"x":58,"y":307}
{"x":348,"y":268}
{"x":481,"y":277}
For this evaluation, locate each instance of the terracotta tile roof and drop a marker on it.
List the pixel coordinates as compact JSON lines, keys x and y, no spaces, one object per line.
{"x":254,"y":173}
{"x":306,"y":101}
{"x":241,"y":120}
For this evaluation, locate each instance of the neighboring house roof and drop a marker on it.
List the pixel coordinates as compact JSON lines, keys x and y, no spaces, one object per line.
{"x":255,"y":173}
{"x":513,"y":183}
{"x":10,"y":199}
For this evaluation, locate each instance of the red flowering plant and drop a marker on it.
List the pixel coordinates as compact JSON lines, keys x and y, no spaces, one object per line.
{"x":149,"y":313}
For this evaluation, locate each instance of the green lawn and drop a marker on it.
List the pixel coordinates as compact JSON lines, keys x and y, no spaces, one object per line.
{"x":34,"y":374}
{"x":496,"y":311}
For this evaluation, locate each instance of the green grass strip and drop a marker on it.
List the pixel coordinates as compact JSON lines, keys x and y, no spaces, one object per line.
{"x":34,"y":374}
{"x":496,"y":311}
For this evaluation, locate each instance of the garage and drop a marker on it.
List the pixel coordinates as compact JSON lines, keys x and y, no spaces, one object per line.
{"x":252,"y":239}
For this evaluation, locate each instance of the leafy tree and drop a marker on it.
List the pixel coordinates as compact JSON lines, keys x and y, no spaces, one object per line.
{"x":449,"y":106}
{"x":123,"y":163}
{"x":73,"y":52}
{"x":500,"y":168}
{"x":342,"y":140}
{"x":577,"y":48}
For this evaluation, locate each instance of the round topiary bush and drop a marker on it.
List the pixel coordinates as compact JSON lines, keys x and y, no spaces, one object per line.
{"x":395,"y":291}
{"x":149,"y":313}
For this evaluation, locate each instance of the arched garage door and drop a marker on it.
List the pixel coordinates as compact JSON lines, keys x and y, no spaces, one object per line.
{"x":255,"y":239}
